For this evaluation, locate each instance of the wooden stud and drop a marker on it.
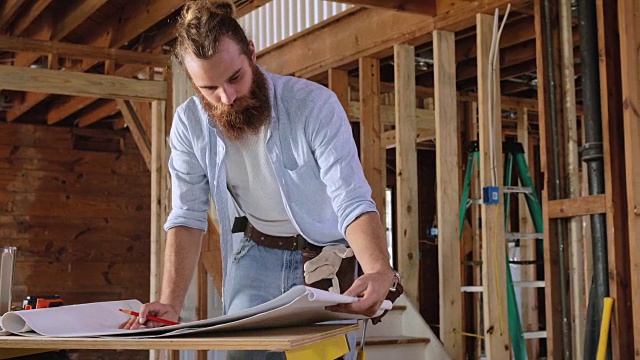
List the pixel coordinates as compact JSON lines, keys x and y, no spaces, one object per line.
{"x":140,"y":136}
{"x":629,"y":29}
{"x":575,"y":239}
{"x":158,"y":185}
{"x":550,"y":190}
{"x":448,"y":194}
{"x":372,"y":154}
{"x":496,"y":325}
{"x":406,"y":171}
{"x":339,"y":84}
{"x":527,"y":250}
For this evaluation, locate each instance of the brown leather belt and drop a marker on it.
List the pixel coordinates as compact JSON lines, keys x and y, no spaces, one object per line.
{"x":289,"y":243}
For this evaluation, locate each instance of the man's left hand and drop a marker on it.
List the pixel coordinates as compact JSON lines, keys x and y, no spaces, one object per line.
{"x":372,"y":289}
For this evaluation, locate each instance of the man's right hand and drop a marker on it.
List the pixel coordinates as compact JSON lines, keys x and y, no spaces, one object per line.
{"x":156,"y":309}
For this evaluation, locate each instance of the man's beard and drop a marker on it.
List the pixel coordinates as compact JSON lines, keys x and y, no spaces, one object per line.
{"x":247,"y":114}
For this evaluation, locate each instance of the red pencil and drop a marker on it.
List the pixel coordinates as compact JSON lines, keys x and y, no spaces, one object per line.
{"x":149,"y":317}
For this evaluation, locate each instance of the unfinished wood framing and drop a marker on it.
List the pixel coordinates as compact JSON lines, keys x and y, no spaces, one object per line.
{"x":372,"y":154}
{"x":406,"y":170}
{"x":615,"y":193}
{"x":158,"y":199}
{"x":138,"y":132}
{"x":629,"y":27}
{"x":494,"y":281}
{"x":339,"y":84}
{"x":578,"y":292}
{"x":448,"y":194}
{"x":549,"y":81}
{"x":529,"y":308}
{"x":81,"y":84}
{"x":12,"y":43}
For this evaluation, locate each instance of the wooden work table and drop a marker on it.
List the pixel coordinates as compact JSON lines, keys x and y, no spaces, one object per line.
{"x":282,"y":339}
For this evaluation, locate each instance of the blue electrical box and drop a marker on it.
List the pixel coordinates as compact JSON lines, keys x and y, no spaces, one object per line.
{"x":490,"y":195}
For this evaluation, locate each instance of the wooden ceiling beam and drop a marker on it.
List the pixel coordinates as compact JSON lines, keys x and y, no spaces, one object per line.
{"x":74,"y":17}
{"x":61,"y":110}
{"x":367,"y":32}
{"x":80,"y":84}
{"x":98,"y":113}
{"x":27,"y":18}
{"x":18,"y":44}
{"x":168,"y":32}
{"x":9,"y":11}
{"x":423,"y":7}
{"x":138,"y":16}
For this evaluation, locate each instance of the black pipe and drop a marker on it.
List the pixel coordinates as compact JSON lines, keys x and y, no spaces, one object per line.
{"x":558,"y":193}
{"x":593,"y":157}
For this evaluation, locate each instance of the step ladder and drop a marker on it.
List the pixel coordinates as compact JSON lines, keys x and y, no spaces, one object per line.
{"x":513,"y":153}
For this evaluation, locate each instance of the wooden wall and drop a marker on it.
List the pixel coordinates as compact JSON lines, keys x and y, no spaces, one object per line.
{"x":80,"y":218}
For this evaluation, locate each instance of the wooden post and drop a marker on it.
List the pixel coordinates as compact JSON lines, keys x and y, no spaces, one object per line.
{"x":494,"y":266}
{"x":339,"y":84}
{"x":448,"y":194}
{"x":629,"y":28}
{"x":547,"y":60}
{"x":158,"y":201}
{"x":372,"y":153}
{"x":527,"y":249}
{"x":407,"y":170}
{"x":578,"y":292}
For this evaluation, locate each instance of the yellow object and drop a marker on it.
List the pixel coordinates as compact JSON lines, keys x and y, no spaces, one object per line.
{"x":604,"y":328}
{"x":362,"y":355}
{"x":328,"y":349}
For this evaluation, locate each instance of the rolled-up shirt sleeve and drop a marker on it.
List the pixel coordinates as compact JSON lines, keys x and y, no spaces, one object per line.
{"x":330,"y":134}
{"x":189,"y":183}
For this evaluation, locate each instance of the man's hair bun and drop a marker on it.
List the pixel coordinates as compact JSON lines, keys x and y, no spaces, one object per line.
{"x":225,"y":7}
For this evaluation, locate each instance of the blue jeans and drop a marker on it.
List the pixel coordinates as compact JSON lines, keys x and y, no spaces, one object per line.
{"x":255,"y":275}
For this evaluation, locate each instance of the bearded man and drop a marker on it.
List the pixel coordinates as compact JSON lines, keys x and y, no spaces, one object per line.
{"x":277,"y":154}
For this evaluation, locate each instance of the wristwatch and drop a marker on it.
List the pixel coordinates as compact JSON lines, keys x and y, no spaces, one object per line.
{"x":395,"y":282}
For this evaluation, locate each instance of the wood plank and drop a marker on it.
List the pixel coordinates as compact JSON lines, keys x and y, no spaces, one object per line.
{"x":97,"y":113}
{"x":579,"y":293}
{"x":62,"y":204}
{"x":26,"y":18}
{"x":527,"y":248}
{"x":389,"y":137}
{"x":272,"y":339}
{"x":406,"y":171}
{"x":586,"y":205}
{"x":74,"y":16}
{"x":423,"y":7}
{"x":629,"y":28}
{"x":425,"y":118}
{"x":339,"y":84}
{"x":158,"y":197}
{"x":73,"y":183}
{"x":448,"y":194}
{"x":547,"y":64}
{"x":618,"y":271}
{"x":79,"y":51}
{"x":38,"y":227}
{"x":372,"y":154}
{"x":138,"y":16}
{"x":496,"y":327}
{"x":211,"y":255}
{"x":81,"y":84}
{"x":138,"y":132}
{"x":63,"y":160}
{"x":9,"y":11}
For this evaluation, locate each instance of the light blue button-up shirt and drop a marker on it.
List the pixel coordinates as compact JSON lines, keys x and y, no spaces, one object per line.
{"x":310,"y":146}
